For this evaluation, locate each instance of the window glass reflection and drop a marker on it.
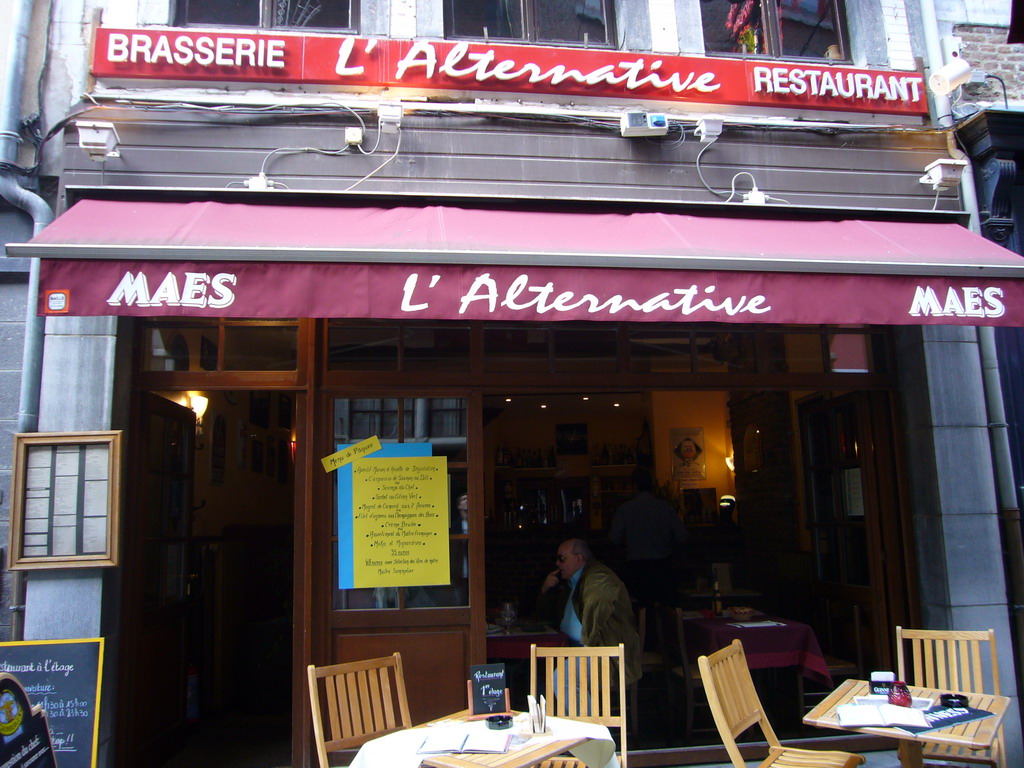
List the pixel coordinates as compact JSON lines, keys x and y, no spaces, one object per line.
{"x":808,"y":29}
{"x":260,"y":348}
{"x":362,"y":348}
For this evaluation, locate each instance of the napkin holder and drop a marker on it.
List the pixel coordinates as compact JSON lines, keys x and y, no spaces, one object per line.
{"x":536,"y":718}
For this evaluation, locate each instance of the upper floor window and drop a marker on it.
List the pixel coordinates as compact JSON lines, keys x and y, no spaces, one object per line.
{"x":780,"y":28}
{"x":273,"y":14}
{"x":578,"y":22}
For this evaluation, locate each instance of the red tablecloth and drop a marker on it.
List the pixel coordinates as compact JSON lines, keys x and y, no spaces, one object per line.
{"x":516,"y":645}
{"x":791,"y":645}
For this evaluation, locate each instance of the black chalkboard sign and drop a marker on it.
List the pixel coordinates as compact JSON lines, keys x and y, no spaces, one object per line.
{"x":24,"y":735}
{"x":488,"y":694}
{"x":63,"y":678}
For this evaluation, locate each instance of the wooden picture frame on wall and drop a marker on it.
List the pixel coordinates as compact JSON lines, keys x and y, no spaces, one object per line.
{"x":65,"y":500}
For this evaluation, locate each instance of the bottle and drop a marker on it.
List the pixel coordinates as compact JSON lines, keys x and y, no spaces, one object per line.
{"x":716,"y":601}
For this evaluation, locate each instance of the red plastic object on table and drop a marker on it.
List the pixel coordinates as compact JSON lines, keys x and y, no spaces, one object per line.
{"x":899,"y":694}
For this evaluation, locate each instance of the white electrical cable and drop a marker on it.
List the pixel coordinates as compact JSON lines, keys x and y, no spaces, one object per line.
{"x":394,"y":154}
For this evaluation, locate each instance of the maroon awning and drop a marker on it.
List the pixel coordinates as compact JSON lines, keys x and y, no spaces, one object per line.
{"x":105,"y":257}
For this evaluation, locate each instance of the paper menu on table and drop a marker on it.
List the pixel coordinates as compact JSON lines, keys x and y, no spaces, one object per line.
{"x":443,"y":740}
{"x":462,"y":739}
{"x":487,"y":741}
{"x":883,"y":715}
{"x":917,"y":702}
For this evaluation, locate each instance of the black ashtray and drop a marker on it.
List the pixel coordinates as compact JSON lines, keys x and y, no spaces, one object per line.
{"x":499,"y":722}
{"x":953,"y":700}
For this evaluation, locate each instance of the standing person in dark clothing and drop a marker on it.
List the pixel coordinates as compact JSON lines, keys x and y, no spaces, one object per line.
{"x":648,"y":531}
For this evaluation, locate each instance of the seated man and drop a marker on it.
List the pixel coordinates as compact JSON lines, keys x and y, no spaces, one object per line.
{"x":589,"y":603}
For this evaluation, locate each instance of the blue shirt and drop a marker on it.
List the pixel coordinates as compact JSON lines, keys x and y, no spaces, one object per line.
{"x":571,"y":624}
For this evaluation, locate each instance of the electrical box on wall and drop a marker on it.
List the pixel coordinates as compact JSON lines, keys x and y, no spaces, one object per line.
{"x":636,"y":122}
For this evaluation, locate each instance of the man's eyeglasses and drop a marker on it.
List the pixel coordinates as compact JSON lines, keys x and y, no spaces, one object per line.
{"x":561,"y":558}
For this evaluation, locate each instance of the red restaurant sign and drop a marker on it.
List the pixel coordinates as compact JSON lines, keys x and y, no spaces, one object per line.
{"x":273,"y":289}
{"x":370,"y":63}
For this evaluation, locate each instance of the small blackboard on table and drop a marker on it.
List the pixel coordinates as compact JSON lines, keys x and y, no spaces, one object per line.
{"x":63,"y":678}
{"x":487,"y":691}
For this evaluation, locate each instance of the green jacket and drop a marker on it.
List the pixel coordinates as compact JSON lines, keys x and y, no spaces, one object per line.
{"x":604,"y":608}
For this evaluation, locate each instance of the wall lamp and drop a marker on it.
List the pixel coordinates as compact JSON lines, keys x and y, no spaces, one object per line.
{"x":199,"y":404}
{"x":98,"y":139}
{"x":944,"y":173}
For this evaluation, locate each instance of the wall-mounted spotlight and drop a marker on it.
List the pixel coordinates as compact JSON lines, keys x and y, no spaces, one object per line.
{"x":950,"y":76}
{"x":98,"y":139}
{"x":955,"y":72}
{"x":708,"y":129}
{"x":944,"y":173}
{"x":389,"y":117}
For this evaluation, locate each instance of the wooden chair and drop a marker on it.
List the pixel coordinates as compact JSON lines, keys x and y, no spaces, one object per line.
{"x":600,"y":689}
{"x":364,"y":699}
{"x":736,"y":707}
{"x":678,"y":661}
{"x":652,"y":661}
{"x":839,"y":668}
{"x":953,"y":660}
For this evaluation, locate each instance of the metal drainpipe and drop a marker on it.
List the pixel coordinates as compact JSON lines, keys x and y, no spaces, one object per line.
{"x":16,"y":195}
{"x":1009,"y":511}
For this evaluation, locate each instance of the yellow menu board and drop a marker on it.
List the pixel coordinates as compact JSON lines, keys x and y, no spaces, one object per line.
{"x":400,"y":522}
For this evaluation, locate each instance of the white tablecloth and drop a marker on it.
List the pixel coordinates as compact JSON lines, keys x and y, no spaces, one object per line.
{"x":398,"y":750}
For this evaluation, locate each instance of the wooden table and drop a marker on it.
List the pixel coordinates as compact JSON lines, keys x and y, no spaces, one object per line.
{"x":521,"y":758}
{"x":978,"y":734}
{"x":589,"y":742}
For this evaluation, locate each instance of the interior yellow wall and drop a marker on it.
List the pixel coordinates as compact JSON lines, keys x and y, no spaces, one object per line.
{"x":533,"y":428}
{"x":245,"y":497}
{"x":710,"y":412}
